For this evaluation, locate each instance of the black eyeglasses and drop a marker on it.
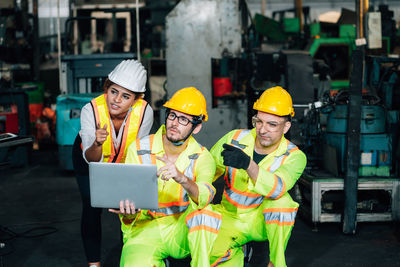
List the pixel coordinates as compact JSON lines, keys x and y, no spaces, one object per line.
{"x":181,"y":119}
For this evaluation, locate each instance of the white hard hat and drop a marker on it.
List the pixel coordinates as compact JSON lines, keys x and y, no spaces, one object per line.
{"x":129,"y":74}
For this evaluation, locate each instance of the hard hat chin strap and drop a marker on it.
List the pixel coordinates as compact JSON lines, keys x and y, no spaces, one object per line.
{"x":180,"y":142}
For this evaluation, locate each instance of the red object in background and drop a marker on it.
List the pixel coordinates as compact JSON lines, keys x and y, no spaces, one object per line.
{"x":222,"y":86}
{"x":9,"y":120}
{"x":35,"y":111}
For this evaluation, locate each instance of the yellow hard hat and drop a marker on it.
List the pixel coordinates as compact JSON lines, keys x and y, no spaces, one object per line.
{"x":275,"y":100}
{"x":189,"y":100}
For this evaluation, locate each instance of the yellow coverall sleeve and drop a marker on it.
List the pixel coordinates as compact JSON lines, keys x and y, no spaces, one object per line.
{"x":216,"y":153}
{"x":204,"y":173}
{"x":289,"y":172}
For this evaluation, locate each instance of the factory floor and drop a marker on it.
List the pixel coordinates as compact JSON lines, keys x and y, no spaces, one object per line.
{"x":40,"y":226}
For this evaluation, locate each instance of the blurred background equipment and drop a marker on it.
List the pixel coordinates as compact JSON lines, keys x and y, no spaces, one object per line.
{"x":338,"y":59}
{"x":55,"y":56}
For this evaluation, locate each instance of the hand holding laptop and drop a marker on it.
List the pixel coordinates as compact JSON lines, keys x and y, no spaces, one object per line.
{"x":125,"y":208}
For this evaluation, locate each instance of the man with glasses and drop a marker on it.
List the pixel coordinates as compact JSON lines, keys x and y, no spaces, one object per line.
{"x":259,"y":166}
{"x":183,"y":224}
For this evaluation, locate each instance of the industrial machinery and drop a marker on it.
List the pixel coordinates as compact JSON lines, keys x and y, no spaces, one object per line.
{"x":376,"y":143}
{"x":19,"y":45}
{"x":322,"y":188}
{"x":230,"y":68}
{"x":379,"y":121}
{"x":14,"y":119}
{"x":198,"y":32}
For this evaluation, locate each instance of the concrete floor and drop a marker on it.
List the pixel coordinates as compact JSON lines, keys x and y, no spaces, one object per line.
{"x":40,"y":213}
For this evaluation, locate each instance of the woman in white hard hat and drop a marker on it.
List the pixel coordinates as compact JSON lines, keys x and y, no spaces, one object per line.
{"x":109,"y":124}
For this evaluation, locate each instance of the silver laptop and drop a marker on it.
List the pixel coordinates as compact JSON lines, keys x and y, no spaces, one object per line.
{"x":112,"y":182}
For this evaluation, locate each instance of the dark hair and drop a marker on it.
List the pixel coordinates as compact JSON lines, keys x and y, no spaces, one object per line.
{"x":107,"y":84}
{"x":198,"y":118}
{"x":287,"y":118}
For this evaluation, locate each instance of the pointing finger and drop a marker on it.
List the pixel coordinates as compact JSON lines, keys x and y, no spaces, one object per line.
{"x":164,"y":159}
{"x":132,"y":207}
{"x":127,"y":207}
{"x":121,"y":206}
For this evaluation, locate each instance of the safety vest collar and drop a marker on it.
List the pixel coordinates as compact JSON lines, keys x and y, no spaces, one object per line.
{"x":158,"y":147}
{"x":282,"y":148}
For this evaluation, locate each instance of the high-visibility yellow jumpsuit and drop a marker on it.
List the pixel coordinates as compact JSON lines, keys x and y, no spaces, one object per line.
{"x":179,"y":227}
{"x":259,"y":211}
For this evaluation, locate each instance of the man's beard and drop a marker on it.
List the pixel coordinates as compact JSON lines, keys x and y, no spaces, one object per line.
{"x":263,"y":142}
{"x":178,"y":141}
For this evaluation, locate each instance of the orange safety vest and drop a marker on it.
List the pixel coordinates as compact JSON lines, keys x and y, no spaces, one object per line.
{"x":130,"y":130}
{"x":176,"y":199}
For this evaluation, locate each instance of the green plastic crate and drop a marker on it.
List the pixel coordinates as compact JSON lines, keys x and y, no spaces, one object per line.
{"x":34,"y":96}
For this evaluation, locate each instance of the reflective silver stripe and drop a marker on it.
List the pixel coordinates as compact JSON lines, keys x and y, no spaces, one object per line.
{"x":194,"y":156}
{"x":171,"y":210}
{"x":274,"y":166}
{"x":244,"y":200}
{"x":204,"y":219}
{"x":224,"y":258}
{"x":280,"y":216}
{"x":235,"y":142}
{"x":278,"y":160}
{"x":212,"y":191}
{"x":189,"y":172}
{"x":290,"y":146}
{"x":278,"y":189}
{"x":190,"y":169}
{"x":145,"y":150}
{"x":277,"y":163}
{"x":230,"y":173}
